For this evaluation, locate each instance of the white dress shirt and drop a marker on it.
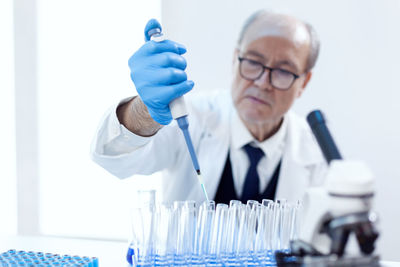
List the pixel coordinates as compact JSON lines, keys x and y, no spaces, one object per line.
{"x":272,"y":148}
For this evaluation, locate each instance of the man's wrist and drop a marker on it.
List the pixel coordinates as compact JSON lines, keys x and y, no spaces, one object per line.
{"x":135,"y":116}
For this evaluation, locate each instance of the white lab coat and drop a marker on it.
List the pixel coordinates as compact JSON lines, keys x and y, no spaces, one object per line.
{"x":124,"y":154}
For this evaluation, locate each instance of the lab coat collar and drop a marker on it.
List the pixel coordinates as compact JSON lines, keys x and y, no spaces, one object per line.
{"x":301,"y":159}
{"x":241,"y":136}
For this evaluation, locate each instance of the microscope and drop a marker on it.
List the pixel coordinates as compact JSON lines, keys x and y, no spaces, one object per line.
{"x":335,"y":212}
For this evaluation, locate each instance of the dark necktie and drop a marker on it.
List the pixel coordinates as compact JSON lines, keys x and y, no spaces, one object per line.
{"x":251,"y":187}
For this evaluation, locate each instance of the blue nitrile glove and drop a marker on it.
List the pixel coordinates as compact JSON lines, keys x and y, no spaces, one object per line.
{"x":157,"y":70}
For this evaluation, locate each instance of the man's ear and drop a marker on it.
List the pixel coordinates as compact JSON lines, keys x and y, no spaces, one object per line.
{"x":305,"y":82}
{"x":307,"y":79}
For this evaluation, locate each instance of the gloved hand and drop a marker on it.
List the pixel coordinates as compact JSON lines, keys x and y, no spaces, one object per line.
{"x":158,"y":72}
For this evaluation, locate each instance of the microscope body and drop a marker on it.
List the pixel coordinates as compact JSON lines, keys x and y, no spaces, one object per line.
{"x":342,"y":206}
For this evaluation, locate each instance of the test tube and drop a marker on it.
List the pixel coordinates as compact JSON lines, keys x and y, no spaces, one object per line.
{"x":285,"y":226}
{"x":146,"y":199}
{"x":295,"y":225}
{"x":143,"y":228}
{"x":242,"y":248}
{"x":163,"y":235}
{"x":185,"y":234}
{"x":230,"y":253}
{"x":277,"y":226}
{"x":260,"y":244}
{"x":191,"y":221}
{"x":203,"y":233}
{"x":252,"y":222}
{"x":269,"y":228}
{"x":218,"y":235}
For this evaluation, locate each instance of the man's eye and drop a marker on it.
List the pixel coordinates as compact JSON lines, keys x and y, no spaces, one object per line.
{"x":279,"y":73}
{"x":283,"y":72}
{"x":253,"y":63}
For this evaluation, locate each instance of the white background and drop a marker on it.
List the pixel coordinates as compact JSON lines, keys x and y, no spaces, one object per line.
{"x":83,"y":52}
{"x":8,"y":204}
{"x":355,"y":81}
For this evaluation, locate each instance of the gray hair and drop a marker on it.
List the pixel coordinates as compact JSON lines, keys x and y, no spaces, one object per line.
{"x":314,"y":39}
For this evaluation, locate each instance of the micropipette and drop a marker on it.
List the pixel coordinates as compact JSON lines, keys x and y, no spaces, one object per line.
{"x":179,"y":113}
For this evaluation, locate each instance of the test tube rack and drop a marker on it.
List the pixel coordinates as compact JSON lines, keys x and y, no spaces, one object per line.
{"x":30,"y":258}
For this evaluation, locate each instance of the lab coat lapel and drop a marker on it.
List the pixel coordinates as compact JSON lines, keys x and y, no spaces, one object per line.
{"x":214,"y":158}
{"x":213,"y":143}
{"x":301,"y":157}
{"x":293,"y":180}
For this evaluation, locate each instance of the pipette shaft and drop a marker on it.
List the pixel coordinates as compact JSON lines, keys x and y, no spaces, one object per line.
{"x":184,"y":126}
{"x":179,"y":113}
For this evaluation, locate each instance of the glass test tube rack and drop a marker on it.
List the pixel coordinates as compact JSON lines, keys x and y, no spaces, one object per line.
{"x":238,"y":234}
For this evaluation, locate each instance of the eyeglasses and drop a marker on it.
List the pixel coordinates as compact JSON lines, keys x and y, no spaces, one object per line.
{"x":253,"y":70}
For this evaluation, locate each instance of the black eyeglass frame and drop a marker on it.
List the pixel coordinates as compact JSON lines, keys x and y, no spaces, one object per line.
{"x":270,"y":70}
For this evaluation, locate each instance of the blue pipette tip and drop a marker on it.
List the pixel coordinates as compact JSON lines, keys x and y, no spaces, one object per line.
{"x":205,"y":192}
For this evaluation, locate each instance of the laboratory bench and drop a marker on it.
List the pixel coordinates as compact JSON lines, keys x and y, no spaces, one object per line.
{"x":109,"y":253}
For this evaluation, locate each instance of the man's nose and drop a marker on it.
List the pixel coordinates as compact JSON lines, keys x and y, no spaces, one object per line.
{"x":264,"y":82}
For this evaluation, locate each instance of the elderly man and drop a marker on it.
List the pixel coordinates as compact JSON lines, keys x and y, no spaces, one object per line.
{"x":249,"y":145}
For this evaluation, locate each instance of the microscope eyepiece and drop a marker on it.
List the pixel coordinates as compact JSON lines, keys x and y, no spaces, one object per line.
{"x":316,"y":120}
